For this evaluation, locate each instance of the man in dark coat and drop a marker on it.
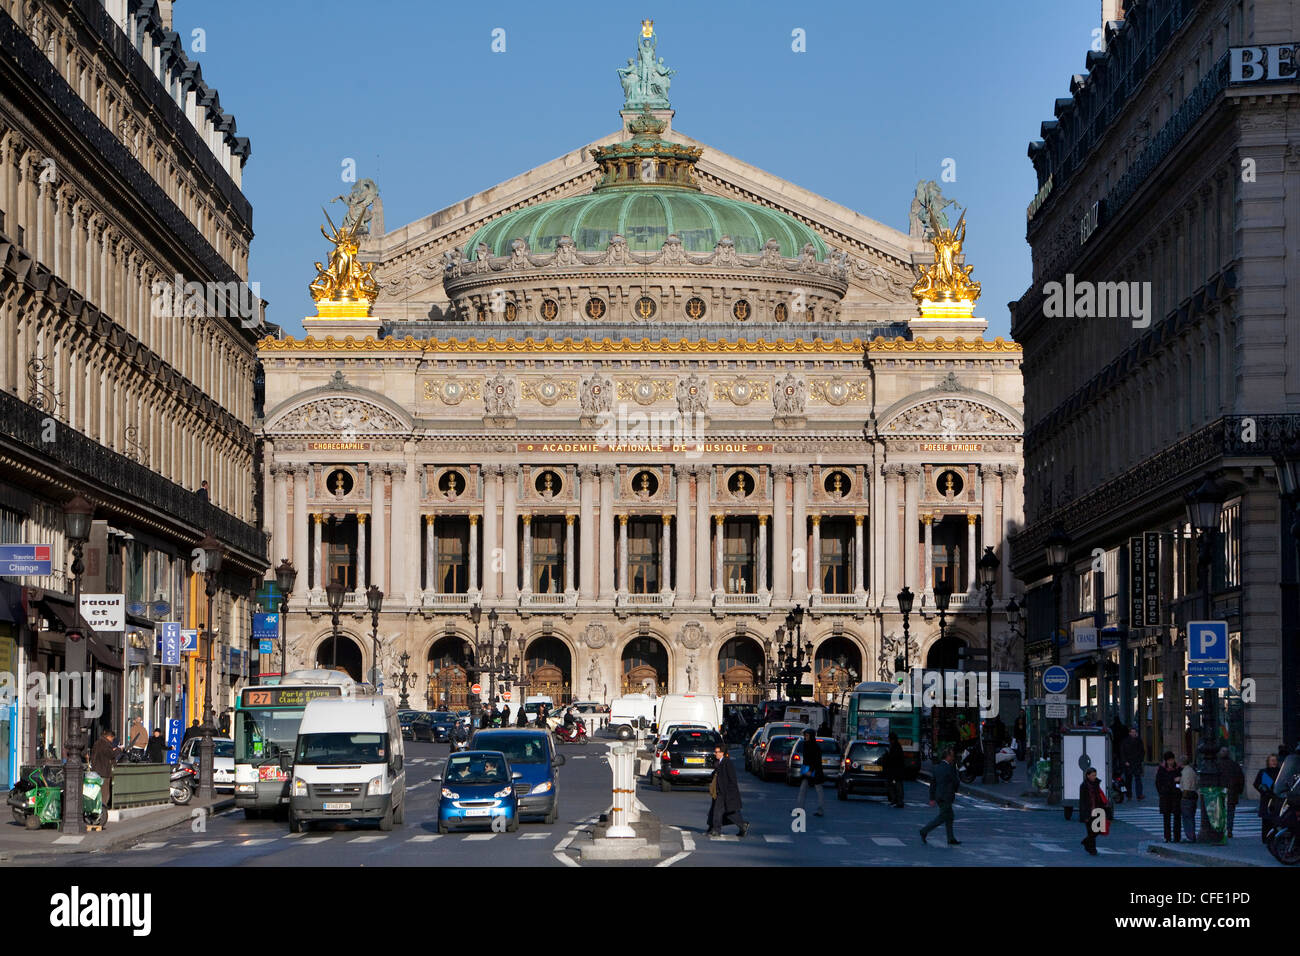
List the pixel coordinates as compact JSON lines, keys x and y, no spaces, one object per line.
{"x":812,"y":771}
{"x":1132,"y":756}
{"x":1167,"y":793}
{"x":1233,"y":781}
{"x":893,"y":764}
{"x":191,"y":731}
{"x":724,"y":788}
{"x":102,"y":757}
{"x":943,"y":791}
{"x":156,"y":751}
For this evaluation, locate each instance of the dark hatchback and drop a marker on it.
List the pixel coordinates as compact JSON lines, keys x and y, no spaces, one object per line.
{"x":415,"y":725}
{"x":863,"y":769}
{"x":443,"y":723}
{"x":687,"y":759}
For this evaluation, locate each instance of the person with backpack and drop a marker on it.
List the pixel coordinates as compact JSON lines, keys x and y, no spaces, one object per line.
{"x":811,"y":772}
{"x":1188,"y":786}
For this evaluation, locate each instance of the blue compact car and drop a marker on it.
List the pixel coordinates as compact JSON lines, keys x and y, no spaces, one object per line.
{"x":477,"y":788}
{"x":533,"y":765}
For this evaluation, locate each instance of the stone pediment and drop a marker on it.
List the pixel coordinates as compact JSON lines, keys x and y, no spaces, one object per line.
{"x":948,"y":417}
{"x":340,"y":416}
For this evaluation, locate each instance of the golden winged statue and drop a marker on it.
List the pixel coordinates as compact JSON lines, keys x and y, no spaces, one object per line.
{"x":945,"y":281}
{"x":343,"y":278}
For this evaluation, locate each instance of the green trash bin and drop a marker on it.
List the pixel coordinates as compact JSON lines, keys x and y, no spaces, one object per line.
{"x":1216,"y":814}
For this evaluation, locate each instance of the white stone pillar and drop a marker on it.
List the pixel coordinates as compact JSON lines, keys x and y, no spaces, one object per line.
{"x":491,"y":535}
{"x":528,"y":554}
{"x":889,"y":515}
{"x":762,"y":555}
{"x":568,"y":554}
{"x":430,"y":554}
{"x":1010,"y":519}
{"x":816,"y":554}
{"x":302,"y":523}
{"x":473,"y":553}
{"x":509,"y":535}
{"x":927,"y":572}
{"x":397,"y":527}
{"x":685,"y":585}
{"x":971,"y":554}
{"x":587,"y":531}
{"x":911,"y":502}
{"x":379,"y":534}
{"x":318,"y":550}
{"x":666,"y":556}
{"x":719,"y":583}
{"x":988,"y":516}
{"x":361,"y":552}
{"x":607,"y":560}
{"x":703,"y":556}
{"x":781,"y":535}
{"x":799,"y":531}
{"x":280,"y":544}
{"x":858,"y":554}
{"x":622,"y":553}
{"x":408,"y":517}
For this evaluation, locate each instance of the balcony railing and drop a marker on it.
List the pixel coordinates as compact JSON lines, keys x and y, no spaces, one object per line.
{"x":317,"y":599}
{"x":529,"y":599}
{"x":655,"y":599}
{"x":742,"y":600}
{"x":837,"y":602}
{"x":451,"y":602}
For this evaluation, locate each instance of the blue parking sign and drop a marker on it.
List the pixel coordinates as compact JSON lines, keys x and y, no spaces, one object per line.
{"x":1207,"y":641}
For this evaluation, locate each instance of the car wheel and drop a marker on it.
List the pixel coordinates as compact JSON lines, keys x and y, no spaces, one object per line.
{"x":665,"y":785}
{"x":296,"y":825}
{"x":625,"y":732}
{"x":513,"y":825}
{"x":386,"y":821}
{"x":554,"y":813}
{"x":442,"y":827}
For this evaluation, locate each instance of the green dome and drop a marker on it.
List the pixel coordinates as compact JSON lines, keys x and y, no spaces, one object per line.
{"x":646,"y":217}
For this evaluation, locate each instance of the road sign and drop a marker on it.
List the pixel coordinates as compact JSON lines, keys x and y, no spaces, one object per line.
{"x":1207,"y":641}
{"x":1057,"y":711}
{"x":1053,"y":699}
{"x":506,"y":697}
{"x":173,"y":739}
{"x":1056,"y":679}
{"x":18,"y":560}
{"x":170,"y":638}
{"x":476,"y":689}
{"x":265,"y":645}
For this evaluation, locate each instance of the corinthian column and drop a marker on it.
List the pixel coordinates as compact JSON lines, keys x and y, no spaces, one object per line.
{"x":971,"y":554}
{"x":762,"y":555}
{"x":568,"y":554}
{"x":528,"y":554}
{"x":379,"y":559}
{"x":317,"y":552}
{"x":703,"y":556}
{"x":893,"y":554}
{"x":607,"y":559}
{"x":509,"y":535}
{"x":989,"y":517}
{"x":717,"y":554}
{"x":361,"y":552}
{"x":280,"y":519}
{"x":927,"y":574}
{"x":781,"y":535}
{"x":816,"y":554}
{"x":491,"y":534}
{"x":666,"y":558}
{"x":587,"y":531}
{"x":473,"y":553}
{"x":911,"y":502}
{"x":858,"y":554}
{"x":430,"y":555}
{"x":622,"y":553}
{"x":799,"y":533}
{"x":685,"y":586}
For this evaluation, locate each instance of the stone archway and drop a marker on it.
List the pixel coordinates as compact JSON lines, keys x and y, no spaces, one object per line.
{"x":837,"y":668}
{"x":447,"y":672}
{"x":741,"y":671}
{"x":644,"y":667}
{"x":548,"y":664}
{"x":342,"y":653}
{"x":942,"y":654}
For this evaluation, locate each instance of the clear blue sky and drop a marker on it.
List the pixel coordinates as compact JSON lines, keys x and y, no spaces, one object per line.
{"x":413,"y":92}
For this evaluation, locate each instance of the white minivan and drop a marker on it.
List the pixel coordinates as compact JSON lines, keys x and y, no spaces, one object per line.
{"x":689,"y":709}
{"x":626,"y":711}
{"x":348,"y":763}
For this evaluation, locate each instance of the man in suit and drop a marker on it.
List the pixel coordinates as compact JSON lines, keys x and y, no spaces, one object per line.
{"x":724,"y":788}
{"x":943,"y":791}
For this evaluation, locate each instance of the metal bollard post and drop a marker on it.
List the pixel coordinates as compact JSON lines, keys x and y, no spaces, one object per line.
{"x":624,"y":792}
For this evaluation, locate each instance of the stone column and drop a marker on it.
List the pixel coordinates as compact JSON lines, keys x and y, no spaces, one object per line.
{"x":509,"y":535}
{"x":816,"y":554}
{"x":409,"y":516}
{"x":703,"y":557}
{"x":666,"y":557}
{"x":317,"y":550}
{"x":568,"y":554}
{"x":587,"y":531}
{"x":430,"y":554}
{"x":911,"y":501}
{"x":1009,"y":520}
{"x":972,"y":555}
{"x":799,"y":532}
{"x":473,"y":553}
{"x":622,"y":553}
{"x":781,"y":535}
{"x":761,"y":563}
{"x":491,"y":535}
{"x":685,"y":585}
{"x":528,"y":554}
{"x":988,"y":516}
{"x":398,"y":528}
{"x":379,"y":551}
{"x":607,"y":532}
{"x":280,"y":544}
{"x":302,"y":522}
{"x":361,"y":552}
{"x":858,"y":552}
{"x":893,"y":555}
{"x":717,"y":554}
{"x":927,"y":572}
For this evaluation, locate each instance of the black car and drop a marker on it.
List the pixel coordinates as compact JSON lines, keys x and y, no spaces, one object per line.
{"x":443,"y":723}
{"x":415,"y":725}
{"x":863,"y":769}
{"x":687,"y":759}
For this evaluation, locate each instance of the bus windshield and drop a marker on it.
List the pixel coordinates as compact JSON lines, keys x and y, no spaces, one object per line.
{"x":265,"y":734}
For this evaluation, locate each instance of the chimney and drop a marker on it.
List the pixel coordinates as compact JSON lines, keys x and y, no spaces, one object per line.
{"x":1110,"y":10}
{"x":165,"y":12}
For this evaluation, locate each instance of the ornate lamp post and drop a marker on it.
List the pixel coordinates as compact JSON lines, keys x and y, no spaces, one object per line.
{"x":1057,"y":547}
{"x":285,"y":576}
{"x":404,"y":681}
{"x":77,"y":515}
{"x":1204,"y":508}
{"x":793,"y":657}
{"x":334,"y":597}
{"x":942,"y":598}
{"x":375,"y":601}
{"x":905,"y":600}
{"x":212,"y":555}
{"x":475,"y":704}
{"x":986,"y":572}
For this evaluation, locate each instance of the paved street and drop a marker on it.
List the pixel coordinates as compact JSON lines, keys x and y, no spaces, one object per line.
{"x":861,"y":831}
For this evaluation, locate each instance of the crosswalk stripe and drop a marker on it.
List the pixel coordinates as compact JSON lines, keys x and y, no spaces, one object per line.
{"x":257,"y":842}
{"x":200,"y":844}
{"x":833,"y":840}
{"x":69,"y":839}
{"x":533,"y":836}
{"x":424,"y":838}
{"x":149,"y":846}
{"x":773,"y":838}
{"x":320,"y":839}
{"x":886,"y":841}
{"x":1050,"y":848}
{"x":369,"y":838}
{"x":479,"y":836}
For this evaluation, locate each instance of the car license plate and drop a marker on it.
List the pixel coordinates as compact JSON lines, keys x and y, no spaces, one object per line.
{"x":696,"y":760}
{"x":871,"y":768}
{"x":338,"y":806}
{"x":479,"y":812}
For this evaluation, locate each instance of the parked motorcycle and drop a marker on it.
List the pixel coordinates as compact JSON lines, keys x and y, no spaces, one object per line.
{"x":185,"y":781}
{"x":575,"y":733}
{"x":1284,"y":842}
{"x":1118,"y":791}
{"x":37,"y":799}
{"x":970,"y":766}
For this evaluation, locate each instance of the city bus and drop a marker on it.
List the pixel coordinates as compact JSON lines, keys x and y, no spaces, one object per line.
{"x":875,"y":708}
{"x":266,"y":729}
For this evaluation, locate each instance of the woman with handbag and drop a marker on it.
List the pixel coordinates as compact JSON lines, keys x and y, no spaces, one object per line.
{"x":1167,"y":791}
{"x":1091,"y":799}
{"x":811,"y":771}
{"x":1265,"y":780}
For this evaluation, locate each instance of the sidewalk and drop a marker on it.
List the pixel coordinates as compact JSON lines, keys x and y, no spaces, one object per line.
{"x":17,"y":842}
{"x":1014,"y":793}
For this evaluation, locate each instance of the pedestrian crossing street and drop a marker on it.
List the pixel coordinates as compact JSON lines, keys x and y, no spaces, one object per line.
{"x":240,"y":841}
{"x":864,"y":841}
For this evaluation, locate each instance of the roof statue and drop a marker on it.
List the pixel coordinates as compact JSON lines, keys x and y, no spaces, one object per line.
{"x":646,"y":80}
{"x":927,"y":216}
{"x":945,"y":281}
{"x":343,"y":278}
{"x":359,"y":202}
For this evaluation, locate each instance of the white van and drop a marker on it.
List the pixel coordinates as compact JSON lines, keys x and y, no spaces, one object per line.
{"x":689,"y":709}
{"x":348,"y":763}
{"x":625,"y":711}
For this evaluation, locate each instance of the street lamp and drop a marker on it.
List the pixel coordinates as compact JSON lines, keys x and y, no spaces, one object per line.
{"x":77,"y":515}
{"x":285,"y":576}
{"x":986,"y":572}
{"x":471,"y":674}
{"x":905,"y":599}
{"x":334,"y":597}
{"x":375,"y":601}
{"x":942,"y":597}
{"x":212,"y":554}
{"x":1204,"y":508}
{"x":1057,"y":547}
{"x":404,"y":681}
{"x":793,"y":657}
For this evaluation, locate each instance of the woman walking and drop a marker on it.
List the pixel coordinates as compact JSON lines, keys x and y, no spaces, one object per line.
{"x":811,"y":772}
{"x":1187,"y":784}
{"x":893,"y":764}
{"x":1167,"y":791}
{"x":1265,"y":780}
{"x":1092,"y":799}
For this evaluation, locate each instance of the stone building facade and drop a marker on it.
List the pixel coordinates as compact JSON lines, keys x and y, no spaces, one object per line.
{"x":120,"y":172}
{"x":641,"y":402}
{"x":1170,"y":171}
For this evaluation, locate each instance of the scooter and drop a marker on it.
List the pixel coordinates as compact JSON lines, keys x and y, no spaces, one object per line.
{"x":574,"y":734}
{"x":37,"y":800}
{"x":1284,"y":842}
{"x":185,"y":780}
{"x":971,"y":765}
{"x":1118,"y":792}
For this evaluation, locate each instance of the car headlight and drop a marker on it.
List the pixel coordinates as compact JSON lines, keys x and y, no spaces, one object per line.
{"x":450,"y":794}
{"x":503,"y":793}
{"x":541,"y":788}
{"x":246,"y":788}
{"x":299,"y":787}
{"x":376,"y":786}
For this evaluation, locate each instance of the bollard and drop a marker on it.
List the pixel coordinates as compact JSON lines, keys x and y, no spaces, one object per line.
{"x":624,"y":790}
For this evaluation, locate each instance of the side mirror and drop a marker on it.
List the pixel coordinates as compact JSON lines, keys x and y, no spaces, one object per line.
{"x":286,"y":761}
{"x":559,"y":760}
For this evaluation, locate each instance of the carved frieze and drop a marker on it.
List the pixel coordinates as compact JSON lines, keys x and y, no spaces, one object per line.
{"x":547,"y":391}
{"x":645,"y":391}
{"x":451,"y":391}
{"x":347,"y":415}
